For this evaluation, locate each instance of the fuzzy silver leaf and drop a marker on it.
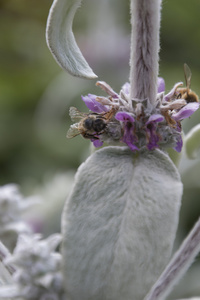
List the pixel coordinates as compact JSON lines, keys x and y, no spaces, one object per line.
{"x":119,"y":224}
{"x":61,"y":41}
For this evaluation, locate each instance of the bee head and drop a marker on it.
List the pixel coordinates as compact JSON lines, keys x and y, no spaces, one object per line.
{"x":88,"y":123}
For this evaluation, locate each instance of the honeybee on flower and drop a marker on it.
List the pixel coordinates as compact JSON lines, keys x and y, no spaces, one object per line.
{"x":119,"y":119}
{"x":185,"y":92}
{"x":90,"y":125}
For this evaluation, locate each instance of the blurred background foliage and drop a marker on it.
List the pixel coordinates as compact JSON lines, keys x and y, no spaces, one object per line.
{"x":35,"y":94}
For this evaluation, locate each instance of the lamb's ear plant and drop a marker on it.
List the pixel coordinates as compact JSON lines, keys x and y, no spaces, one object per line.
{"x":30,"y":269}
{"x":120,"y":220}
{"x":61,"y":41}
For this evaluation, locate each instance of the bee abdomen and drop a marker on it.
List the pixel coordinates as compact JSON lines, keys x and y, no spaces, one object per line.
{"x":192,"y":98}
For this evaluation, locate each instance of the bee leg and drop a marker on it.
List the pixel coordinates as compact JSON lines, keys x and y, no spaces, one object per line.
{"x":89,"y":136}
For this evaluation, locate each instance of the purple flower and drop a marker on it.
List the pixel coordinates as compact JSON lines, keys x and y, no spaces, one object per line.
{"x":179,"y":144}
{"x":151,"y":127}
{"x":124,"y":117}
{"x":93,"y":105}
{"x":186,"y":111}
{"x":135,"y":122}
{"x":161,"y":85}
{"x":129,"y":136}
{"x":179,"y":141}
{"x":155,"y":118}
{"x":96,"y":143}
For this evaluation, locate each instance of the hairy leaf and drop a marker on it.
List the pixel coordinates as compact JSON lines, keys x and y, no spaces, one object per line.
{"x":119,"y":224}
{"x":61,"y":41}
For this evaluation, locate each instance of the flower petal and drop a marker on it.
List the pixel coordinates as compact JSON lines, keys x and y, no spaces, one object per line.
{"x":129,"y":136}
{"x":97,"y":143}
{"x":61,"y":41}
{"x":186,"y":111}
{"x":153,"y":141}
{"x":124,"y":117}
{"x":93,"y":105}
{"x":161,"y":85}
{"x":179,"y":144}
{"x":132,"y":146}
{"x":155,"y":118}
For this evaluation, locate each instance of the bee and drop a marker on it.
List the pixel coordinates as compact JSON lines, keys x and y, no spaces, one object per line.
{"x":90,"y":125}
{"x":187,"y":93}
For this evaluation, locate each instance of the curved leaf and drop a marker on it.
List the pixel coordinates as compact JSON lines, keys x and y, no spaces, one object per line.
{"x":119,"y":224}
{"x":61,"y":41}
{"x":192,"y":142}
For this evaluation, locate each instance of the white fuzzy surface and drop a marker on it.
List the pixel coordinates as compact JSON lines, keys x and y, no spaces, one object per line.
{"x":119,"y":224}
{"x":177,"y":266}
{"x":61,"y":41}
{"x":145,"y":22}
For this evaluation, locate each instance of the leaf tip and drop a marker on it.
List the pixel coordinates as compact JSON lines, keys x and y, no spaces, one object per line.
{"x":61,"y":42}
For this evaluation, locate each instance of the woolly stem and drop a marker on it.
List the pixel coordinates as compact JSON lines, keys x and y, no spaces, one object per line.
{"x":178,"y":265}
{"x":145,"y":21}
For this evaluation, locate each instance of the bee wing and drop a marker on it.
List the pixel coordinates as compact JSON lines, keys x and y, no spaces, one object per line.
{"x":75,"y":114}
{"x":188,"y":75}
{"x":73,"y":131}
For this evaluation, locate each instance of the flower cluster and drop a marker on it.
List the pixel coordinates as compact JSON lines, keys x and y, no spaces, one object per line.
{"x":37,"y":266}
{"x":12,"y":205}
{"x":136,"y":122}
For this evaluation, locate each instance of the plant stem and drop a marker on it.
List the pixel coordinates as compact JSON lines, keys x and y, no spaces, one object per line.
{"x":145,"y":21}
{"x":178,"y":265}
